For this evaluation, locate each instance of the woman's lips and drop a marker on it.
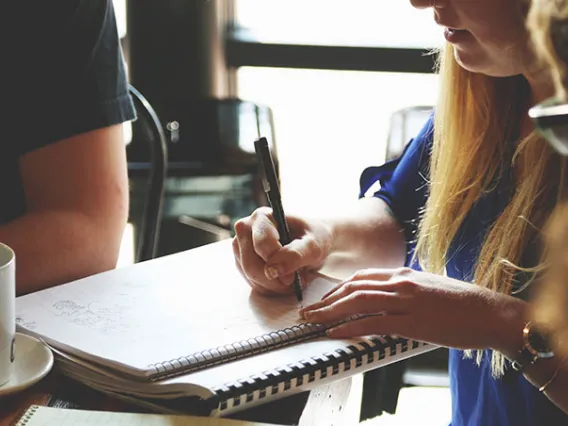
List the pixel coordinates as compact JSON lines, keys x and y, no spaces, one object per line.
{"x":456,"y":36}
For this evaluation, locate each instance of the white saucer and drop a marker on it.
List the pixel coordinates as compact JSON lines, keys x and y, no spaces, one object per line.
{"x":33,"y":361}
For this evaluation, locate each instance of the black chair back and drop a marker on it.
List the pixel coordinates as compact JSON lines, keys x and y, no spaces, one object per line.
{"x":148,"y":127}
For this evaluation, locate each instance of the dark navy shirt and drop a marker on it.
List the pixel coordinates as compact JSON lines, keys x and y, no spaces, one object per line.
{"x":477,"y":398}
{"x":62,"y":74}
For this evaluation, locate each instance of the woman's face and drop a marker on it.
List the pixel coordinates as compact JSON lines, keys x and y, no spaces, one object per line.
{"x":488,"y":36}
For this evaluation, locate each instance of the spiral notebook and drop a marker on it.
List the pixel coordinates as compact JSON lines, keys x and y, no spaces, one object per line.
{"x":40,"y":416}
{"x":185,"y":331}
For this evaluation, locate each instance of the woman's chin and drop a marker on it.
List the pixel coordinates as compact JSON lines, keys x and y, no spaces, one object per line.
{"x":480,"y":63}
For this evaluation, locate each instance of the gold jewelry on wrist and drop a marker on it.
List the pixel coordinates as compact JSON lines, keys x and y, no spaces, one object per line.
{"x":543,"y":387}
{"x":535,"y":347}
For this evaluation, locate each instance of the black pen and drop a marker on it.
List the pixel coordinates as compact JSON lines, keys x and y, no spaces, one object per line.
{"x":272,"y":189}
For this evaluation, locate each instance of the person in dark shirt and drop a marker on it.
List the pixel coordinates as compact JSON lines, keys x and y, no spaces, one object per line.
{"x":63,"y":174}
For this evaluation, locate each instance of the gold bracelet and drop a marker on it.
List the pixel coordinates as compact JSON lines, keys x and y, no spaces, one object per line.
{"x":543,"y":387}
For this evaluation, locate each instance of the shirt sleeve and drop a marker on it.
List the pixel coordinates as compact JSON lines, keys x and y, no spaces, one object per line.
{"x":404,"y":183}
{"x":67,"y":76}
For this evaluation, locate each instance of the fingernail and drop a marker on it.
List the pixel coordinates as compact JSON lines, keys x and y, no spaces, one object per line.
{"x":271,"y":272}
{"x":307,"y":309}
{"x":313,"y":307}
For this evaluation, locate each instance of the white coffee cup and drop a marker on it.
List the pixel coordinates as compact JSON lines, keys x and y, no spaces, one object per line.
{"x":7,"y":312}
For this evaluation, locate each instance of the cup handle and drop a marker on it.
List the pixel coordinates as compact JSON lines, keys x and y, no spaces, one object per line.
{"x":13,"y":350}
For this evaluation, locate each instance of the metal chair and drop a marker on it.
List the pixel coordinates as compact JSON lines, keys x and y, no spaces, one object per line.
{"x":147,"y":126}
{"x":404,"y":125}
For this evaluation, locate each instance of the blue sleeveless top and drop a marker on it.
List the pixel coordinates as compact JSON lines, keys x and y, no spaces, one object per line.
{"x":477,"y":398}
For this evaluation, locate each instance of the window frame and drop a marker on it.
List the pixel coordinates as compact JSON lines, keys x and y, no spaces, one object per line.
{"x":243,"y":49}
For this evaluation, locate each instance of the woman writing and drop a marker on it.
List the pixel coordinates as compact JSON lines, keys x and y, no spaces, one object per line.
{"x":462,"y":206}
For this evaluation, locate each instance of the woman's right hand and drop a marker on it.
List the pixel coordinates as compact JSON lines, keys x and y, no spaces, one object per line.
{"x":267,"y":265}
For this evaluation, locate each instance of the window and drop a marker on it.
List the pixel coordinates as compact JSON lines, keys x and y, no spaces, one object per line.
{"x":331,"y":124}
{"x":340,"y":22}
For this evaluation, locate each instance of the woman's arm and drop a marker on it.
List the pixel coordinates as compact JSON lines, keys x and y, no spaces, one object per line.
{"x":436,"y":309}
{"x":336,"y":246}
{"x":368,"y":236}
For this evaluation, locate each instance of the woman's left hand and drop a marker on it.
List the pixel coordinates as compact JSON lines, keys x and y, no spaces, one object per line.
{"x":422,"y":306}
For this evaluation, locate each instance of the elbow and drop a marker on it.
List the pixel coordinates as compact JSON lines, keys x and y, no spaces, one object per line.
{"x":108,"y":244}
{"x":103,"y":240}
{"x":101,"y":248}
{"x":75,"y":245}
{"x":106,"y":258}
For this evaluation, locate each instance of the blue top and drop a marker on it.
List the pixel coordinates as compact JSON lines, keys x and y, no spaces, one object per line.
{"x":477,"y":398}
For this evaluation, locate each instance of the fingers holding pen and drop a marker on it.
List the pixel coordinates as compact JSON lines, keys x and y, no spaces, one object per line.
{"x":263,"y":233}
{"x":300,"y":253}
{"x":247,"y":241}
{"x":265,"y":262}
{"x":258,"y":288}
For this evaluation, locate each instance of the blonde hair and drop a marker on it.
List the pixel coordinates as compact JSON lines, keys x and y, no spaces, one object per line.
{"x":550,"y":305}
{"x":477,"y":118}
{"x":548,"y":25}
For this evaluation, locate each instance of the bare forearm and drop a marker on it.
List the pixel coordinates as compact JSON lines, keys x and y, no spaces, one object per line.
{"x":55,"y":247}
{"x":369,"y":236}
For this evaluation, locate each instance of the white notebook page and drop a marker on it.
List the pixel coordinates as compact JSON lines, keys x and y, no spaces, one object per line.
{"x":48,"y":416}
{"x":159,"y":310}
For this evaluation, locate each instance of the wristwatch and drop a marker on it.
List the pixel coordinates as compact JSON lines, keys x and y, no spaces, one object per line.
{"x":535,"y":347}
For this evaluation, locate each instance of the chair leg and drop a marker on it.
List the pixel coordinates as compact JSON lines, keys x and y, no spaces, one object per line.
{"x":381,"y":388}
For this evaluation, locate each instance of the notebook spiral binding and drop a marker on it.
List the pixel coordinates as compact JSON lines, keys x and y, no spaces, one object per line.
{"x":237,"y":350}
{"x":27,"y":417}
{"x":269,"y":383}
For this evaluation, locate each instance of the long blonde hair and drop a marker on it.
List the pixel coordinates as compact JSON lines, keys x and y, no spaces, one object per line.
{"x":548,"y":25}
{"x":477,"y":118}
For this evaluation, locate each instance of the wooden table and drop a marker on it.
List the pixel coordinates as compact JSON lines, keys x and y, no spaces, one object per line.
{"x":324,"y":406}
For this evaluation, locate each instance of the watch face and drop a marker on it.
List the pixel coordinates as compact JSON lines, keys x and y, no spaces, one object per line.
{"x":539,"y":343}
